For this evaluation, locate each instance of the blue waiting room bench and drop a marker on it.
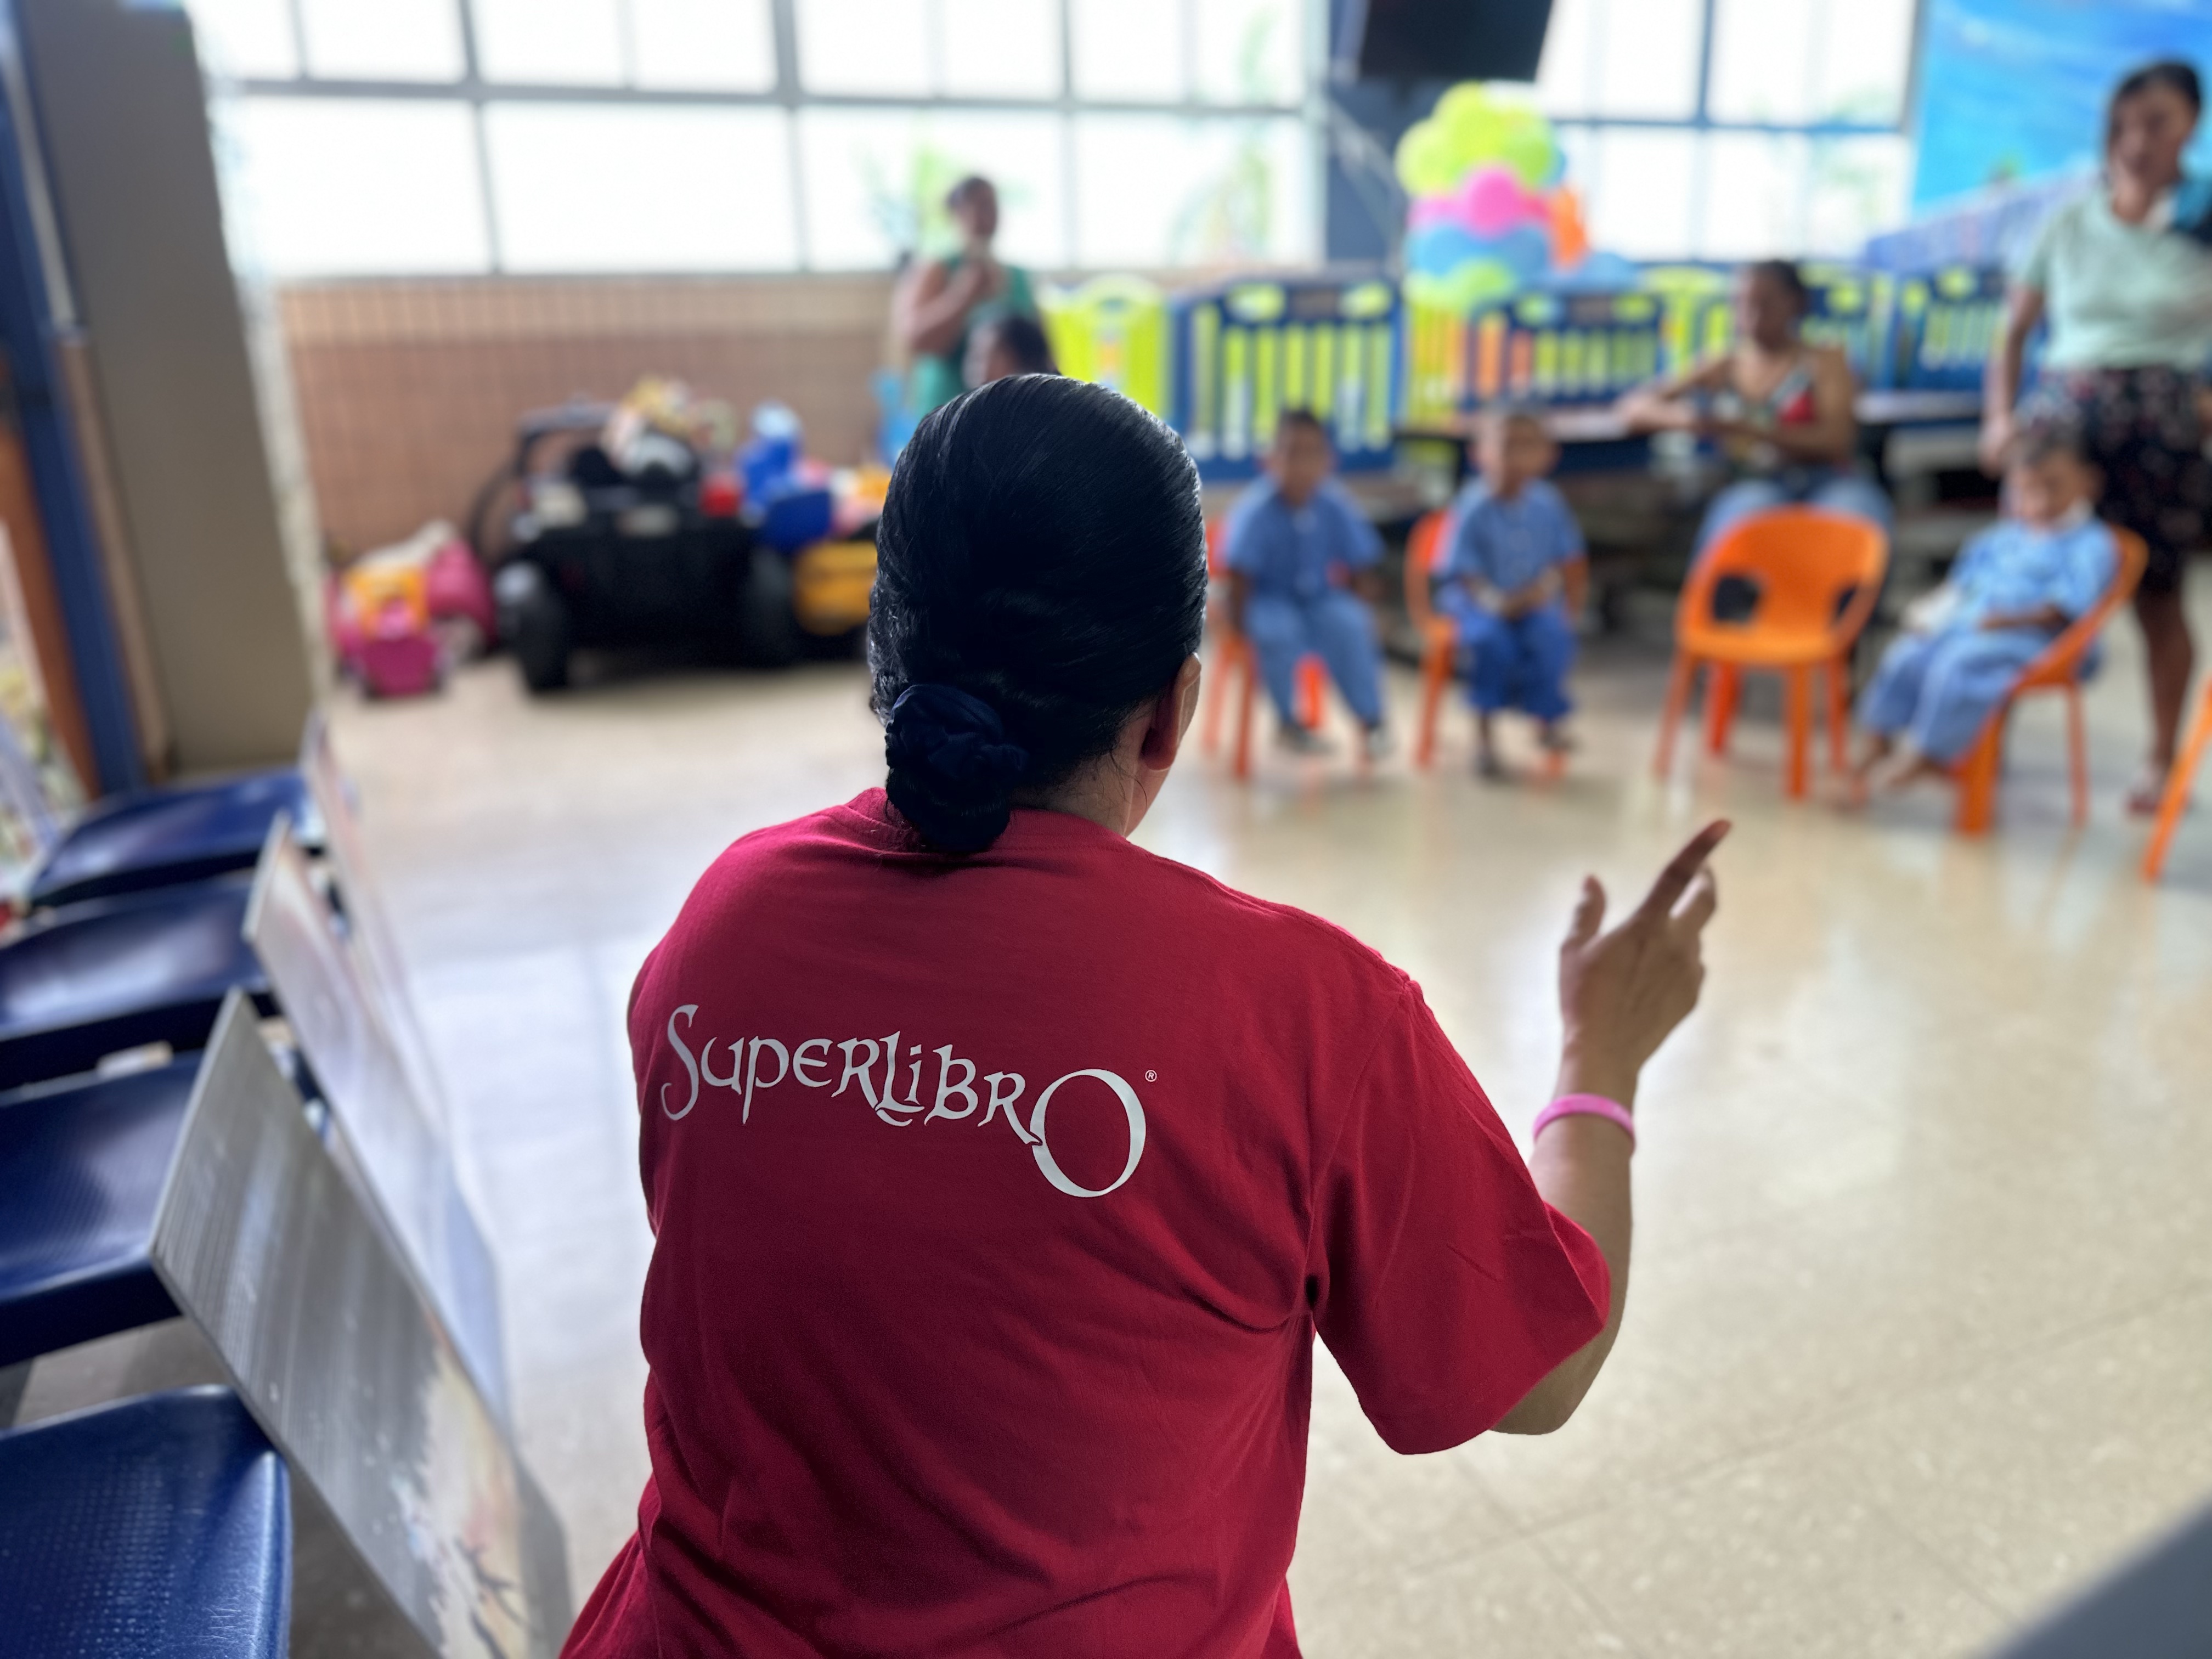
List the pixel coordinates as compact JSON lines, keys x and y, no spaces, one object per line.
{"x":162,"y":837}
{"x":159,"y":1528}
{"x":90,"y":980}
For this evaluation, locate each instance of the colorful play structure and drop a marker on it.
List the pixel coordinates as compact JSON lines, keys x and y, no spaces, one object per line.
{"x":1220,"y":362}
{"x":1502,"y":296}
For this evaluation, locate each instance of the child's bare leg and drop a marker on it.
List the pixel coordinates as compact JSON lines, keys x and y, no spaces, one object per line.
{"x":1487,"y":763}
{"x":1908,"y":766}
{"x":1879,"y":746}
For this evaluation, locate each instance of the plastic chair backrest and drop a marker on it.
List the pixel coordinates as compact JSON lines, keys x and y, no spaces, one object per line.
{"x":1217,"y":547}
{"x":1804,"y":561}
{"x":2061,"y":662}
{"x":1427,"y":546}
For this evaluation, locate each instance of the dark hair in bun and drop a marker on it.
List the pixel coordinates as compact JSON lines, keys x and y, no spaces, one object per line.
{"x":1041,"y":574}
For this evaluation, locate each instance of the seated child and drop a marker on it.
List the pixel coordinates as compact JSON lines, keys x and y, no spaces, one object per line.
{"x":1012,"y":344}
{"x":1296,"y":543}
{"x":1516,"y":577}
{"x":2015,"y":587}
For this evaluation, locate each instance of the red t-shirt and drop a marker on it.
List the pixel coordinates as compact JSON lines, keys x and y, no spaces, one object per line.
{"x":997,"y":1202}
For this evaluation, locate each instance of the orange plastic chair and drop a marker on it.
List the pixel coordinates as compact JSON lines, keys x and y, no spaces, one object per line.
{"x":1805,"y":562}
{"x":1426,"y":548}
{"x":2179,"y":784}
{"x":2058,"y":669}
{"x":1234,"y":663}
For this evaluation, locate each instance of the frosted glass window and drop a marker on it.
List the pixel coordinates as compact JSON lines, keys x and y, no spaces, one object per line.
{"x":1024,"y":157}
{"x":550,"y":42}
{"x":1754,"y":197}
{"x":357,"y":186}
{"x":1763,"y":59}
{"x":382,"y":40}
{"x":876,"y":180}
{"x":1153,"y":191}
{"x":999,"y":48}
{"x":865,"y":185}
{"x":1566,"y":73}
{"x":1128,"y":50}
{"x":582,"y":187}
{"x":864,"y":45}
{"x":1863,"y":56}
{"x":245,"y":37}
{"x":1622,"y":58}
{"x":1856,"y":187}
{"x":1250,"y":51}
{"x":721,"y":45}
{"x":1811,"y":60}
{"x":1640,"y":193}
{"x":1649,"y":62}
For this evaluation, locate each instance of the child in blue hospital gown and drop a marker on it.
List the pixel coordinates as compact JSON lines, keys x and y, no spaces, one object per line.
{"x":1514,"y":580}
{"x":2015,"y":587}
{"x":1297,"y":543}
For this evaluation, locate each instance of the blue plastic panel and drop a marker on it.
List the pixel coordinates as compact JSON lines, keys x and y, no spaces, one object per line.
{"x":1948,"y":322}
{"x":82,"y":1170}
{"x":82,"y":982}
{"x":159,"y":1528}
{"x":1246,"y":351}
{"x":164,"y":837}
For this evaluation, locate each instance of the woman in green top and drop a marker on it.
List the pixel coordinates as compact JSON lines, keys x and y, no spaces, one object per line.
{"x":951,"y":298}
{"x":2124,"y":277}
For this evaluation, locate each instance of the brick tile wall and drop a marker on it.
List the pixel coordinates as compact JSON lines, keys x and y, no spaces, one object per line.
{"x":409,"y":389}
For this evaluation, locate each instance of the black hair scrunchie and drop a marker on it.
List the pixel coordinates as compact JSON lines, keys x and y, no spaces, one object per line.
{"x":951,"y":766}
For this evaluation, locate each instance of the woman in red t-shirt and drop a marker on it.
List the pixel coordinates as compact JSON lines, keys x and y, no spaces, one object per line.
{"x":1002,"y":1173}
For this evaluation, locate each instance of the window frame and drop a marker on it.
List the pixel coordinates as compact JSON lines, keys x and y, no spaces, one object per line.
{"x":788,"y":93}
{"x":1703,"y":124}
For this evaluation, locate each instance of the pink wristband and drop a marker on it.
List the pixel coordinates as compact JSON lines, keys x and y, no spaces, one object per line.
{"x":1586,"y":1105}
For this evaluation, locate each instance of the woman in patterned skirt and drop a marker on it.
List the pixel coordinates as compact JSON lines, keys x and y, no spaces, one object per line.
{"x":2122,"y":275}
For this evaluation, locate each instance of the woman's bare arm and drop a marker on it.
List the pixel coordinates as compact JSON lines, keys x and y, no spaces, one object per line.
{"x":1659,"y":406}
{"x":1620,"y":995}
{"x":933,"y":310}
{"x":2001,"y":379}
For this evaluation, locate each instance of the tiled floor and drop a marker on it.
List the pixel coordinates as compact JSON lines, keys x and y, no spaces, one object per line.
{"x":1921,"y":1331}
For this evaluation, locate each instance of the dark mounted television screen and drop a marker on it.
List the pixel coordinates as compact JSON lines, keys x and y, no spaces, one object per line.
{"x":1452,"y":40}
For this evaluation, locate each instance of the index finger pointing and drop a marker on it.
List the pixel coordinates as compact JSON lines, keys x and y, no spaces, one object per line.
{"x":1674,"y":880}
{"x":1697,"y":908}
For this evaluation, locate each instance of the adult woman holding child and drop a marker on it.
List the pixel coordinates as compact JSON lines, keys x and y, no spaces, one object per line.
{"x":2122,"y":275}
{"x":926,"y":1381}
{"x":1778,"y":406}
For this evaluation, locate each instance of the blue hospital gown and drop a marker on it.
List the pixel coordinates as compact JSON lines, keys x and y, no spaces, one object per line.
{"x":1289,"y":555}
{"x":1520,"y":662}
{"x":1939,"y":689}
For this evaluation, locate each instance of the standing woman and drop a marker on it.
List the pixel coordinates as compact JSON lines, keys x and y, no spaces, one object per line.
{"x":2124,"y":278}
{"x":1002,"y":1174}
{"x":948,"y":299}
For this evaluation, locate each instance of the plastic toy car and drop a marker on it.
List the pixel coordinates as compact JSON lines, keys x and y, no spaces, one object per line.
{"x":659,"y":551}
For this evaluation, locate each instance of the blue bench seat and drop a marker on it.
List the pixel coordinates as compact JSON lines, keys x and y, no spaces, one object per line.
{"x":83,"y":1169}
{"x":162,"y":837}
{"x":78,"y":983}
{"x":159,"y":1528}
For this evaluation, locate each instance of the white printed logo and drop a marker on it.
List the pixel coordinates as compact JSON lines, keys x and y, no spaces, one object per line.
{"x":809,"y":1064}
